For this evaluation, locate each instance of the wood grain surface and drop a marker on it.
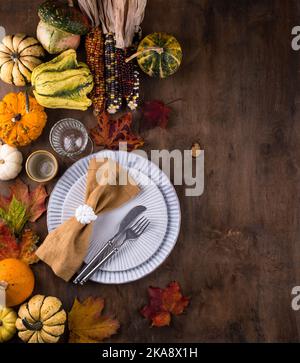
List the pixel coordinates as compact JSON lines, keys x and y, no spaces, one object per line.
{"x":237,"y":93}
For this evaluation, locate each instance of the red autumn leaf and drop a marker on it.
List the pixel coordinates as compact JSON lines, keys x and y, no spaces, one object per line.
{"x":155,"y":114}
{"x":34,"y":200}
{"x":24,"y":250}
{"x":4,"y":202}
{"x":8,"y":244}
{"x":163,"y":303}
{"x":110,"y":132}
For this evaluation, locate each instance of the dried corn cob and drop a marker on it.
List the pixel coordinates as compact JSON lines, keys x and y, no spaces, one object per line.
{"x":126,"y":73}
{"x":134,"y":75}
{"x":133,"y":99}
{"x":128,"y":78}
{"x":94,"y":45}
{"x":113,"y":91}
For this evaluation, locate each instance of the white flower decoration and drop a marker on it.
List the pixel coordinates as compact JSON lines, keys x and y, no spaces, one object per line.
{"x":85,"y":214}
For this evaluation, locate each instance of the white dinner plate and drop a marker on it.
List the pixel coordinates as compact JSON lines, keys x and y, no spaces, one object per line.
{"x":55,"y":215}
{"x":134,"y":253}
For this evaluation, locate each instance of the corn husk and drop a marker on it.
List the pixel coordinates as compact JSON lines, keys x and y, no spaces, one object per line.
{"x":90,"y":9}
{"x":123,"y":18}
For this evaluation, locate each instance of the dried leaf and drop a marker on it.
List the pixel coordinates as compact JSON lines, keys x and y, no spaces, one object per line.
{"x":33,"y":201}
{"x":4,"y":202}
{"x":28,"y":246}
{"x":16,"y":216}
{"x":163,"y":303}
{"x":8,"y":244}
{"x":155,"y":114}
{"x":20,"y":191}
{"x":87,"y":325}
{"x":10,"y":248}
{"x":173,"y":300}
{"x":110,"y":132}
{"x":37,"y":203}
{"x":161,"y":319}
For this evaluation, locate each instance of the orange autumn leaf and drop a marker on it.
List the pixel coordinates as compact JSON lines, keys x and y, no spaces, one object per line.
{"x":28,"y":246}
{"x":161,"y":319}
{"x":37,"y":203}
{"x":163,"y":303}
{"x":173,"y":300}
{"x":24,"y":250}
{"x":87,"y":324}
{"x":110,"y":132}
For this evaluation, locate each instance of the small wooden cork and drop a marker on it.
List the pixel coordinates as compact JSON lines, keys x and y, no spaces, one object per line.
{"x":196,"y":150}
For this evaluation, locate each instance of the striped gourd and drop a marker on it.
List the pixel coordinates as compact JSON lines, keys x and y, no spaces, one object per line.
{"x":159,"y":55}
{"x":41,"y":320}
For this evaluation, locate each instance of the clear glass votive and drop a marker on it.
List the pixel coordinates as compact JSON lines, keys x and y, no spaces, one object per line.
{"x":69,"y":137}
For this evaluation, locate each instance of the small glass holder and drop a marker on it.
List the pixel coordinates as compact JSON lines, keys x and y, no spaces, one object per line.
{"x":69,"y":138}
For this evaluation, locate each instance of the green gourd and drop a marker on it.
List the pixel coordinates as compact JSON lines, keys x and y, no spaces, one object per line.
{"x":158,"y":55}
{"x":62,"y":15}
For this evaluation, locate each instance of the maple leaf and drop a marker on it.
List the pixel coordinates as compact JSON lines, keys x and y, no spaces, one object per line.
{"x":10,"y":248}
{"x":110,"y":132}
{"x":15,"y":216}
{"x":33,"y":201}
{"x":87,"y":325}
{"x":28,"y":246}
{"x":37,"y":206}
{"x":155,"y":114}
{"x":8,"y":243}
{"x":163,"y":303}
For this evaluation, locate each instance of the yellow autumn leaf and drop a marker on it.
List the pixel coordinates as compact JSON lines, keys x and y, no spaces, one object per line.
{"x":86,"y":323}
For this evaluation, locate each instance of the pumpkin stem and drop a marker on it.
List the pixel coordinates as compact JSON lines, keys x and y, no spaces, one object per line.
{"x":37,"y":326}
{"x":17,"y":117}
{"x":3,"y":287}
{"x":159,"y":50}
{"x":27,"y":104}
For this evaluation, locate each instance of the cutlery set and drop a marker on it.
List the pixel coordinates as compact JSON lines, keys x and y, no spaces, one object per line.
{"x":128,"y":230}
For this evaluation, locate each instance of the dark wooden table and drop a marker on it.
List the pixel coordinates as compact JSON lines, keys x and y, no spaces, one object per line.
{"x":238,"y":252}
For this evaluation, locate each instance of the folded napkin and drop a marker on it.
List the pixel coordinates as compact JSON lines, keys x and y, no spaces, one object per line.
{"x":65,"y":248}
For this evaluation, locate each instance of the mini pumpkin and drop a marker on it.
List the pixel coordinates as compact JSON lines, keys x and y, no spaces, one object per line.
{"x":10,"y":162}
{"x":17,"y":279}
{"x":22,"y":119}
{"x":8,"y":319}
{"x":19,"y":55}
{"x":41,"y":320}
{"x":159,"y":55}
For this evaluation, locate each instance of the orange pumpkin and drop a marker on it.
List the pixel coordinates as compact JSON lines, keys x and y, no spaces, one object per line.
{"x":18,"y":280}
{"x":22,"y":119}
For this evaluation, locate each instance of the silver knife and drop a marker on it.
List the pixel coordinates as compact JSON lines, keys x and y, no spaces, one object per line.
{"x":127,"y":220}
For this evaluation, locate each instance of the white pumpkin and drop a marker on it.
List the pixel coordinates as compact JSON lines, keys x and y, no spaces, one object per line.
{"x":10,"y":162}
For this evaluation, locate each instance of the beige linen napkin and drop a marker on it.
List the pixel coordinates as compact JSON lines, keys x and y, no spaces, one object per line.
{"x":65,"y":248}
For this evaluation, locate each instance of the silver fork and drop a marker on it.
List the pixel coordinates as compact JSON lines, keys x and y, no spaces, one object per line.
{"x":132,"y":233}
